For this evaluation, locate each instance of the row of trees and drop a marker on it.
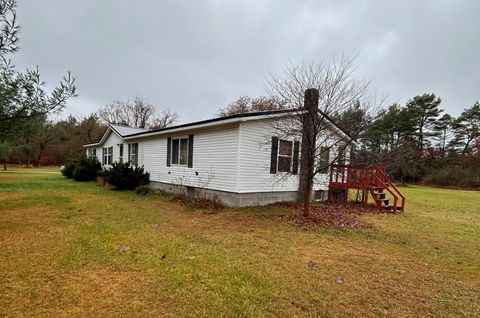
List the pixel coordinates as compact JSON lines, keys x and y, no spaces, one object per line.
{"x":415,"y":139}
{"x":44,"y":142}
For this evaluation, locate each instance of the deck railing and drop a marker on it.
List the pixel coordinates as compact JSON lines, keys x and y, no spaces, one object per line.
{"x":365,"y":178}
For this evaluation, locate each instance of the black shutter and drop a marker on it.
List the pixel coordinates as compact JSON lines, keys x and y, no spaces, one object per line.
{"x":296,"y":148}
{"x":129,"y":153}
{"x":103,"y":156}
{"x":169,"y":150}
{"x":273,"y":158}
{"x":190,"y":151}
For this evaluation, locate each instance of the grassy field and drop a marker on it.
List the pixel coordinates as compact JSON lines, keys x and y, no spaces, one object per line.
{"x":79,"y":250}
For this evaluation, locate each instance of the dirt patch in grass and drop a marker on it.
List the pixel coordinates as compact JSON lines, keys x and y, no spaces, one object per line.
{"x":101,"y":291}
{"x":197,"y":203}
{"x":341,"y":216}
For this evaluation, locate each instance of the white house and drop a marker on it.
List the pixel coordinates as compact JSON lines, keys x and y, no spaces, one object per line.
{"x":238,"y":160}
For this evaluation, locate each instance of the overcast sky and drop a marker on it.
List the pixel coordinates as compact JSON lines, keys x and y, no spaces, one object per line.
{"x":197,"y":56}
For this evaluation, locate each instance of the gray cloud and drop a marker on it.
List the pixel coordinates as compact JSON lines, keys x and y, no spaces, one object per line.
{"x":197,"y":56}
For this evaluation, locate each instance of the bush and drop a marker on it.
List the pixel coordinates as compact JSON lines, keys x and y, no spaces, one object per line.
{"x":86,"y":169}
{"x":144,"y":190}
{"x":69,"y":168}
{"x":454,"y":176}
{"x":125,"y":177}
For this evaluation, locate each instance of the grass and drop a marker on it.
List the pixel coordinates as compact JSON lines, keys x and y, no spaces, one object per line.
{"x":79,"y":250}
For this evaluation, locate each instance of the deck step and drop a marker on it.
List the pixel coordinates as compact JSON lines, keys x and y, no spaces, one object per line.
{"x":379,"y":195}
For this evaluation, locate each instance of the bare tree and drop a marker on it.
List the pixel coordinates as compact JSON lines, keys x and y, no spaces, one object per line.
{"x":246,"y":104}
{"x":136,"y":113}
{"x":314,"y":93}
{"x":165,"y":119}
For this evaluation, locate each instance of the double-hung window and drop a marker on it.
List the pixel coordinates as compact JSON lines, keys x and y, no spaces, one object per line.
{"x":92,"y":152}
{"x":107,"y":155}
{"x":133,"y":154}
{"x":120,"y":157}
{"x":179,"y":154}
{"x":342,"y":155}
{"x":285,"y":156}
{"x":324,"y":159}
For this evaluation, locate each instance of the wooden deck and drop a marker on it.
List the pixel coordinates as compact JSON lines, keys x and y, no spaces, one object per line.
{"x":371,"y":181}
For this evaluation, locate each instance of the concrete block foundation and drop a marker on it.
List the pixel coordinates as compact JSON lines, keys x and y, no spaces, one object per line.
{"x":230,"y":199}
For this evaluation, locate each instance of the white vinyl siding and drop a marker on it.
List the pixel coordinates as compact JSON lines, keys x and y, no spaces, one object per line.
{"x":214,"y":159}
{"x":254,"y":161}
{"x":232,"y":157}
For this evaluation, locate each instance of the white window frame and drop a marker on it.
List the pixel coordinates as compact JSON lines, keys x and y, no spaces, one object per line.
{"x":130,"y":154}
{"x":108,"y":155}
{"x":92,"y":152}
{"x":285,"y":156}
{"x":121,"y":152}
{"x":179,"y":147}
{"x":324,"y":162}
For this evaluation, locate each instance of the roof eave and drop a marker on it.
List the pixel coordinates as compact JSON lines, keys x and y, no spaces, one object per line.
{"x":204,"y":125}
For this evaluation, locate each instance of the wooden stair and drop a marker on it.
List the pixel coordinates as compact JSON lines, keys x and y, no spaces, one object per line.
{"x":372,"y":181}
{"x":382,"y":202}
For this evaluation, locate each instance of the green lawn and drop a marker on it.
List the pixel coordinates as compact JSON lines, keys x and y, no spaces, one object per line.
{"x":79,"y":250}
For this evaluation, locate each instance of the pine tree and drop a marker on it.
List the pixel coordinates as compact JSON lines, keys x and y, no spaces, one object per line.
{"x":424,"y":111}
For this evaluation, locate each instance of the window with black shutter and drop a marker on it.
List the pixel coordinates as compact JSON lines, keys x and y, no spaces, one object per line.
{"x":180,"y":151}
{"x":284,"y":156}
{"x":324,"y":159}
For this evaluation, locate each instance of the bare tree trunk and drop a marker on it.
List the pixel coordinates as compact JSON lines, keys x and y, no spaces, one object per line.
{"x":5,"y":164}
{"x":307,"y":198}
{"x":40,"y":154}
{"x":308,"y":149}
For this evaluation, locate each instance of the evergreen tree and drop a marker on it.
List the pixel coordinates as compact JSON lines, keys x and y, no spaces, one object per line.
{"x":467,"y":129}
{"x":424,"y":111}
{"x":442,"y":127}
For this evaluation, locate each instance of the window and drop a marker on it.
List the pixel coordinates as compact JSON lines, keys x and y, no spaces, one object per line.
{"x":285,"y":156}
{"x":341,"y":154}
{"x":133,"y":154}
{"x":183,"y":151}
{"x":107,"y":155}
{"x":320,"y":195}
{"x":120,"y":158}
{"x":324,"y":159}
{"x":91,"y":153}
{"x":180,"y":151}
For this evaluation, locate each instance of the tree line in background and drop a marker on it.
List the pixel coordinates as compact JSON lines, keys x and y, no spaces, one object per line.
{"x":41,"y":141}
{"x":418,"y":141}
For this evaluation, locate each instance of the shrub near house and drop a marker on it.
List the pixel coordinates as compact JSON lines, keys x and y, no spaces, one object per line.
{"x":126,"y":177}
{"x":84,"y":169}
